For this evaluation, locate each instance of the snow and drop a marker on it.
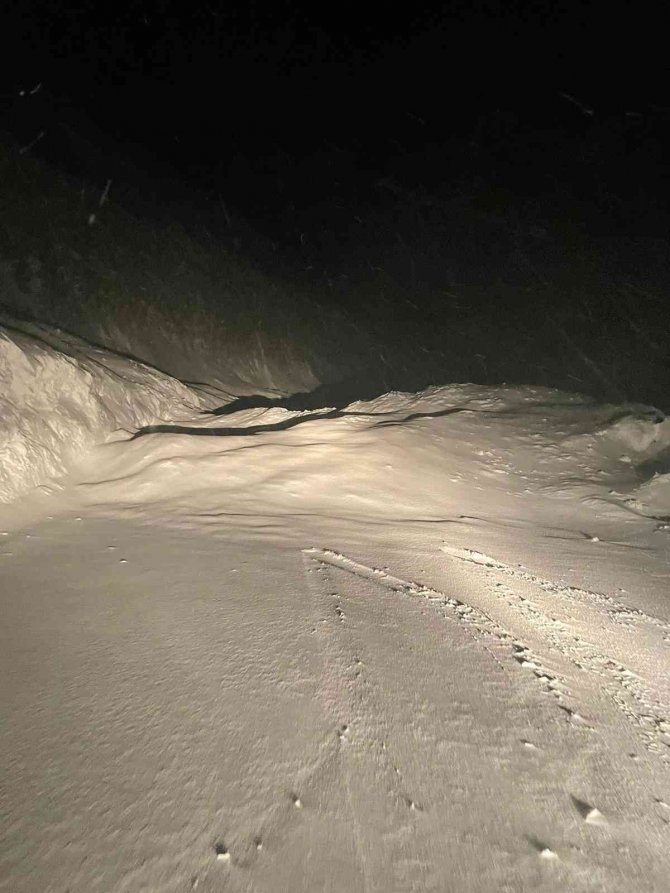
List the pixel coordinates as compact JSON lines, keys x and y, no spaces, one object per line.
{"x":416,"y":643}
{"x":59,"y":396}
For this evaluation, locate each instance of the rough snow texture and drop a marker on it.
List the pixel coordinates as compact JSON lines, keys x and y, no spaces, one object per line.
{"x":413,"y":454}
{"x":59,"y":396}
{"x":421,"y":643}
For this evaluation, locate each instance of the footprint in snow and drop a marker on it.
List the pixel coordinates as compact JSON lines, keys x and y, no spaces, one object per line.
{"x":589,"y":813}
{"x":542,"y":849}
{"x":222,"y":853}
{"x":574,"y":717}
{"x":664,"y":810}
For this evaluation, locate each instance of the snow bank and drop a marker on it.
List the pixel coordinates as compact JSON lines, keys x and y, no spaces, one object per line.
{"x":458,"y":449}
{"x":424,"y":454}
{"x":60,"y":395}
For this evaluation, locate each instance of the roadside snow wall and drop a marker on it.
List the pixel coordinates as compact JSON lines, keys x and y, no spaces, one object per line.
{"x":59,"y":396}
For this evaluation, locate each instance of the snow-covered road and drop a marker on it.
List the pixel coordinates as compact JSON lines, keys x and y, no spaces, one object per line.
{"x":328,"y":720}
{"x":420,"y":644}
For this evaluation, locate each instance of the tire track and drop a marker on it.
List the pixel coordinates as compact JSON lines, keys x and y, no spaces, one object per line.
{"x":367,"y":772}
{"x":487,"y":632}
{"x":616,"y":611}
{"x":599,"y":700}
{"x":633,"y":696}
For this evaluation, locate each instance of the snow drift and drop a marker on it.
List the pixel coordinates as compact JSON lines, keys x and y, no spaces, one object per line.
{"x":59,"y":396}
{"x":457,"y":448}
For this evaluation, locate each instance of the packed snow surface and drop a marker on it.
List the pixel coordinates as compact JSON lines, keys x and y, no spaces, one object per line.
{"x":417,"y":643}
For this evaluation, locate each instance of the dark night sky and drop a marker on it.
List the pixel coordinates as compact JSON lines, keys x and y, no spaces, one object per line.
{"x":200,"y":84}
{"x":285,"y":110}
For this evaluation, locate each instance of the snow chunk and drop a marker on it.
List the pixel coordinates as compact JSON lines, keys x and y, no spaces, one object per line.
{"x":653,"y":497}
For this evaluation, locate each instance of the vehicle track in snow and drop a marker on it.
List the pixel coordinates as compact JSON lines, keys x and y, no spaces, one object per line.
{"x":557,"y":622}
{"x":592,"y":711}
{"x":379,"y":804}
{"x":597,"y":635}
{"x":493,"y":638}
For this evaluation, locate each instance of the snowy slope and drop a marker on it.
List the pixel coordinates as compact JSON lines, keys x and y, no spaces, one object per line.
{"x":416,"y":643}
{"x":59,"y":396}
